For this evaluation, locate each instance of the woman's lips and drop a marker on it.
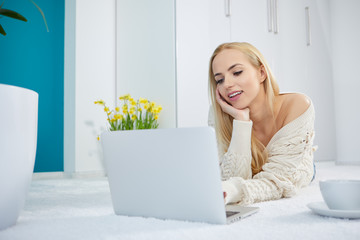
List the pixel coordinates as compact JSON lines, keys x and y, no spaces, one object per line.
{"x":235,"y":95}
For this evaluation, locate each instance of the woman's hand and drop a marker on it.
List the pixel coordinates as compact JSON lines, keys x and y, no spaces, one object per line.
{"x":224,"y":197}
{"x":242,"y":114}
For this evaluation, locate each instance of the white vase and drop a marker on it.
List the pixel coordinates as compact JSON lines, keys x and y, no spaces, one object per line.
{"x":18,"y":138}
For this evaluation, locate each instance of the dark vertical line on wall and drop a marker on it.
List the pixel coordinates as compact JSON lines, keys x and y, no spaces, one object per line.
{"x":175,"y":69}
{"x":230,"y":30}
{"x":116,"y":77}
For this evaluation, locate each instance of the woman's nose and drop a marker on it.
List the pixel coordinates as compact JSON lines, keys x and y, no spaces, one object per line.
{"x":229,"y":82}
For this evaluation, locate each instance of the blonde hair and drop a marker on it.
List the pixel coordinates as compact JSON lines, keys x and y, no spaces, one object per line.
{"x":223,"y":121}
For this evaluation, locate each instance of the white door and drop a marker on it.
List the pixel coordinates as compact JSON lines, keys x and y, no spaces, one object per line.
{"x":250,"y":23}
{"x":320,"y":86}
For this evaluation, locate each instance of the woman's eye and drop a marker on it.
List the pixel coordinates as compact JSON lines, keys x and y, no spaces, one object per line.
{"x":219,"y":81}
{"x":237,"y":73}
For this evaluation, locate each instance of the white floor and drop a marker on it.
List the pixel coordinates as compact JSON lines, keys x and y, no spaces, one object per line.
{"x":80,"y":208}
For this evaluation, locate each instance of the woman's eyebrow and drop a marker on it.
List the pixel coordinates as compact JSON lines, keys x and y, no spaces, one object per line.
{"x":231,"y":67}
{"x":236,"y":64}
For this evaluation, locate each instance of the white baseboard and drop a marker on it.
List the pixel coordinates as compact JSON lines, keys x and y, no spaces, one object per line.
{"x":60,"y":175}
{"x":357,"y":163}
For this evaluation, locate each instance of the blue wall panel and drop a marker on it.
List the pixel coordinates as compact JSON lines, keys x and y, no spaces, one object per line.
{"x":33,"y":58}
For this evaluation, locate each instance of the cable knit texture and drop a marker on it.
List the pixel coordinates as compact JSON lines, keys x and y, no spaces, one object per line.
{"x":237,"y":160}
{"x":289,"y":166}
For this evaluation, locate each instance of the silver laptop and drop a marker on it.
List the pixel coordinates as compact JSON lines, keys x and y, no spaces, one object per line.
{"x":168,"y":174}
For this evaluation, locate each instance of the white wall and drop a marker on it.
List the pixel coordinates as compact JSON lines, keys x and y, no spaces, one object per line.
{"x":193,"y":54}
{"x":345,"y":35}
{"x":89,"y":76}
{"x":146,"y":54}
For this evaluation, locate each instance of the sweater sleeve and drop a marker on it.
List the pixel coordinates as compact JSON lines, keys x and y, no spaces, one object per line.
{"x":236,"y":162}
{"x":289,"y":167}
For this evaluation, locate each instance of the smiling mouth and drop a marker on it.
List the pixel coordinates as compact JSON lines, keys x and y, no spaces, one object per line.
{"x":235,"y":94}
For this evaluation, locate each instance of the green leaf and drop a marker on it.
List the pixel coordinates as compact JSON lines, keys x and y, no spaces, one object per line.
{"x":42,"y":14}
{"x":2,"y":31}
{"x":12,"y":14}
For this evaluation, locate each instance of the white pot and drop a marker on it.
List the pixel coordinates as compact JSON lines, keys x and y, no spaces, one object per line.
{"x":18,"y":138}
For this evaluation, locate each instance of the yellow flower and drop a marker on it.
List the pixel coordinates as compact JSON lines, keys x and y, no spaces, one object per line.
{"x":118,"y":116}
{"x":125,"y":97}
{"x":158,"y":109}
{"x":106,"y":109}
{"x":143,"y":100}
{"x":117,"y":109}
{"x":100,"y":102}
{"x":132,"y":110}
{"x":133,"y":103}
{"x":146,"y":106}
{"x":152,"y":104}
{"x":156,"y":117}
{"x":133,"y":117}
{"x":125,"y":109}
{"x":98,"y":138}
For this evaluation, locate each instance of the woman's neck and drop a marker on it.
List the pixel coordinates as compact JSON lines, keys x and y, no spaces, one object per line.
{"x":263,"y":117}
{"x":260,"y":109}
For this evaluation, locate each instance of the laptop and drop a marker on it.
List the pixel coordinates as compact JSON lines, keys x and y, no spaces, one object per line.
{"x":168,"y":174}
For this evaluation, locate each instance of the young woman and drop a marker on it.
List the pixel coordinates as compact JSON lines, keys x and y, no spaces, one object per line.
{"x":265,"y":138}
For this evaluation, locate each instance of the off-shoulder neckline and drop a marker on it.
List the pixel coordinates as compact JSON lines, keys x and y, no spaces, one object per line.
{"x":296,"y":122}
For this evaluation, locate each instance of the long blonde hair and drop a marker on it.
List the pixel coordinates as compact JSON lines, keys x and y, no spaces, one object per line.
{"x":223,"y":121}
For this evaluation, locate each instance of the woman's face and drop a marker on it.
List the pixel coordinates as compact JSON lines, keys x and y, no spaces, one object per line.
{"x":237,"y":80}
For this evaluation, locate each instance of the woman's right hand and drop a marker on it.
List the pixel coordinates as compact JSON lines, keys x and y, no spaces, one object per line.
{"x":242,"y":114}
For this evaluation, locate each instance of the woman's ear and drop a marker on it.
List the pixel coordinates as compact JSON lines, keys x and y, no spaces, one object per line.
{"x":262,"y":73}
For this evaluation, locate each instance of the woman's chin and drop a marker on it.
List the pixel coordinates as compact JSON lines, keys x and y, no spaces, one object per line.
{"x":239,"y":106}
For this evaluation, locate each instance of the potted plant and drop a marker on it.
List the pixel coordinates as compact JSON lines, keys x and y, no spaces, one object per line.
{"x":18,"y":141}
{"x":132,"y":114}
{"x":18,"y":16}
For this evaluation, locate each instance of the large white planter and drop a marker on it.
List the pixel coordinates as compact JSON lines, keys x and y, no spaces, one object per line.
{"x":18,"y":138}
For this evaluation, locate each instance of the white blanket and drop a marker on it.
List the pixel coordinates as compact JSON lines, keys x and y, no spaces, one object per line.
{"x":80,"y":208}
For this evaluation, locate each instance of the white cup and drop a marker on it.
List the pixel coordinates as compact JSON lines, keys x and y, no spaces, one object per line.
{"x":341,"y":194}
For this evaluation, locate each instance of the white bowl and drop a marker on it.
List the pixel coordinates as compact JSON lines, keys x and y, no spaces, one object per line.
{"x":341,"y":194}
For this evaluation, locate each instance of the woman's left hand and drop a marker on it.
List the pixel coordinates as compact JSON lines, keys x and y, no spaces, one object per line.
{"x":238,"y":114}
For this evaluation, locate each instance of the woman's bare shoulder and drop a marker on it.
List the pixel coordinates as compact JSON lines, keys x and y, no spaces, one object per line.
{"x":294,"y":104}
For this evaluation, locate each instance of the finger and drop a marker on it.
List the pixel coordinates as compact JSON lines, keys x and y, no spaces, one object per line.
{"x":219,"y":98}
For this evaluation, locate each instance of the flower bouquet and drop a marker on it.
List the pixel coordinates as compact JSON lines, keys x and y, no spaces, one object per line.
{"x":132,"y":114}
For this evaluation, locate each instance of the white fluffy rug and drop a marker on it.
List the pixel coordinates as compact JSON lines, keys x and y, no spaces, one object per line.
{"x":80,"y":208}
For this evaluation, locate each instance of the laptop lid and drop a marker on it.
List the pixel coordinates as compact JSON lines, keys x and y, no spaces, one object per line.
{"x":165,"y":173}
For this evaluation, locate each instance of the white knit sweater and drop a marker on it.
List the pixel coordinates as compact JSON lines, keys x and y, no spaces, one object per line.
{"x":289,"y":167}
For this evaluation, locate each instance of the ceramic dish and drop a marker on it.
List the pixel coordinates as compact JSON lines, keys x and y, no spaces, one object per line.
{"x":322,"y":209}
